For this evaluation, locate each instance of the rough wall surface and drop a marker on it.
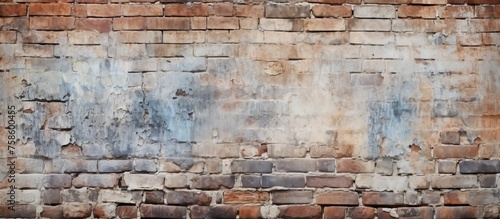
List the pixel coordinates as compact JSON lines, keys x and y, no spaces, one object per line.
{"x":250,"y":109}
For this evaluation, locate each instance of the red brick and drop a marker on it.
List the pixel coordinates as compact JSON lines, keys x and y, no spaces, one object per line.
{"x":355,"y":166}
{"x":50,"y":9}
{"x":223,"y":9}
{"x":485,"y":25}
{"x":243,"y":197}
{"x":80,"y":10}
{"x":455,"y":151}
{"x":52,"y":211}
{"x":329,"y":181}
{"x":287,"y":11}
{"x":338,"y":2}
{"x":167,"y":23}
{"x":256,"y":11}
{"x":183,"y":10}
{"x":223,"y":23}
{"x":12,"y":10}
{"x":483,"y":11}
{"x":126,"y":211}
{"x":334,"y":213}
{"x":360,"y":212}
{"x":457,"y":12}
{"x":52,"y":23}
{"x":103,"y":10}
{"x":331,"y":11}
{"x":102,"y":25}
{"x":456,"y":198}
{"x":382,"y":198}
{"x":8,"y":37}
{"x":387,"y":2}
{"x":457,"y":212}
{"x":135,"y":23}
{"x":418,"y":212}
{"x":449,"y":137}
{"x":429,"y":2}
{"x":478,"y":2}
{"x":162,"y":211}
{"x":44,"y":37}
{"x":291,"y":212}
{"x":77,"y":210}
{"x":142,"y":10}
{"x":250,"y":212}
{"x":337,"y":198}
{"x":92,"y":1}
{"x":417,"y":11}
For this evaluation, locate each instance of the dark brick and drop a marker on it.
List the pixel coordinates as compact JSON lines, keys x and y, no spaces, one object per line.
{"x":96,"y":180}
{"x":250,"y":181}
{"x":451,"y":137}
{"x":292,"y":197}
{"x":297,"y":181}
{"x":213,"y":212}
{"x":329,"y":181}
{"x":479,"y":166}
{"x":243,"y":197}
{"x":162,"y":211}
{"x":417,"y":212}
{"x":382,"y":198}
{"x":154,"y":197}
{"x":484,"y":197}
{"x":457,"y":212}
{"x":447,"y":166}
{"x":334,"y":213}
{"x":326,"y":165}
{"x":143,"y":165}
{"x":114,"y":166}
{"x":187,"y":198}
{"x":287,"y":11}
{"x":126,"y":211}
{"x":52,"y":196}
{"x":77,"y":210}
{"x":250,"y":212}
{"x":337,"y":198}
{"x":93,"y":195}
{"x":296,"y":212}
{"x":251,"y":166}
{"x":296,"y":165}
{"x":454,"y":182}
{"x":52,"y":211}
{"x":213,"y":182}
{"x":431,"y":197}
{"x":360,"y":212}
{"x":57,"y":181}
{"x":488,"y":181}
{"x":456,"y":198}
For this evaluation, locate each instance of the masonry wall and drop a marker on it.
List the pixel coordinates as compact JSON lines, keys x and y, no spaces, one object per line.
{"x":250,"y":109}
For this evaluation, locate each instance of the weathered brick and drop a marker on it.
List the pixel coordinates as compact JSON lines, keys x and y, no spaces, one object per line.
{"x":462,"y":151}
{"x":52,"y":211}
{"x":355,"y":166}
{"x":169,"y":166}
{"x":142,"y":10}
{"x":223,"y":23}
{"x":312,"y":212}
{"x":456,"y":198}
{"x":184,"y":37}
{"x":382,"y":198}
{"x":167,"y":23}
{"x":96,"y":180}
{"x":251,"y":166}
{"x":162,"y":211}
{"x":245,"y":197}
{"x":222,"y":9}
{"x":417,"y":11}
{"x":281,"y":25}
{"x":324,"y":24}
{"x":104,"y":210}
{"x":143,"y":165}
{"x":256,"y":11}
{"x":429,"y":2}
{"x":79,"y":10}
{"x":331,"y":11}
{"x":295,"y":165}
{"x":119,"y":196}
{"x":218,"y":50}
{"x":114,"y":166}
{"x":488,"y":181}
{"x":12,"y":10}
{"x":126,"y":211}
{"x":182,"y":10}
{"x":456,"y":212}
{"x":250,"y":211}
{"x":176,"y":181}
{"x":339,"y":2}
{"x":143,"y":181}
{"x":334,"y":212}
{"x":431,"y":197}
{"x":249,"y":181}
{"x":35,"y":51}
{"x":50,"y":9}
{"x":77,"y":210}
{"x":337,"y":198}
{"x":20,"y":211}
{"x":329,"y":181}
{"x":292,"y":197}
{"x":371,"y":38}
{"x":52,"y":23}
{"x":57,"y":181}
{"x":101,"y":25}
{"x":103,"y":10}
{"x":454,"y":182}
{"x":287,"y":11}
{"x":213,"y":182}
{"x":213,"y":150}
{"x":326,"y":165}
{"x":360,"y":212}
{"x":447,"y":166}
{"x":479,"y":166}
{"x":457,"y":12}
{"x":128,"y":23}
{"x":154,"y":197}
{"x":387,"y":2}
{"x":198,"y":23}
{"x":199,"y":212}
{"x":80,"y":195}
{"x":369,"y":24}
{"x":51,"y":197}
{"x":417,"y":212}
{"x":172,"y":50}
{"x":187,"y":198}
{"x":375,"y":11}
{"x":269,"y":181}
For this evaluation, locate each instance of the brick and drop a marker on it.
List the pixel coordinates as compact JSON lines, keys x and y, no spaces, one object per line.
{"x":450,"y":137}
{"x":94,"y":24}
{"x":254,"y":11}
{"x":329,"y":181}
{"x":216,"y":150}
{"x":187,"y":198}
{"x":446,"y":166}
{"x":213,"y":182}
{"x":143,"y":181}
{"x":334,"y":212}
{"x":52,"y":23}
{"x":484,"y":197}
{"x":166,"y":50}
{"x":382,"y":198}
{"x":223,"y":23}
{"x":456,"y":198}
{"x":382,"y":183}
{"x":479,"y":166}
{"x":79,"y":10}
{"x":360,"y":212}
{"x":52,"y":211}
{"x":135,"y":23}
{"x":198,"y":23}
{"x":51,"y":197}
{"x":35,"y":51}
{"x":375,"y":11}
{"x":328,"y":151}
{"x":355,"y":166}
{"x":162,"y":211}
{"x":222,"y":9}
{"x":417,"y":11}
{"x":490,"y":39}
{"x":483,"y":11}
{"x":248,"y":212}
{"x":421,"y":25}
{"x":13,"y":10}
{"x":457,"y":12}
{"x":371,"y":38}
{"x":77,"y":210}
{"x":338,"y":2}
{"x":397,"y":2}
{"x":86,"y":38}
{"x":454,"y":182}
{"x":488,"y":181}
{"x":326,"y":165}
{"x":57,"y":181}
{"x":114,"y":166}
{"x":249,"y":24}
{"x":96,"y":180}
{"x":281,"y":25}
{"x":337,"y":198}
{"x":92,"y":1}
{"x":126,"y":211}
{"x":154,"y":197}
{"x":469,"y":151}
{"x":213,"y":212}
{"x":249,"y":181}
{"x":215,"y":50}
{"x":167,"y":23}
{"x":456,"y":212}
{"x":429,"y":2}
{"x":477,"y":2}
{"x":295,"y":165}
{"x":324,"y":24}
{"x":20,"y":211}
{"x":182,"y":10}
{"x":50,"y":9}
{"x":75,"y":195}
{"x":103,"y":10}
{"x":140,"y":36}
{"x":184,"y":37}
{"x":470,"y":39}
{"x":145,"y":165}
{"x":251,"y":166}
{"x":142,"y":10}
{"x":297,"y":181}
{"x":320,"y":11}
{"x":292,"y":197}
{"x":416,"y":212}
{"x":287,"y":11}
{"x":369,"y":24}
{"x":295,"y":212}
{"x":119,"y":196}
{"x":484,"y":25}
{"x":245,"y":197}
{"x":431,"y":197}
{"x":44,"y":37}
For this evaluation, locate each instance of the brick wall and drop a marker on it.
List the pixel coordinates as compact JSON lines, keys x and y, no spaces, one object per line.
{"x":251,"y":109}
